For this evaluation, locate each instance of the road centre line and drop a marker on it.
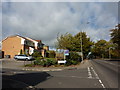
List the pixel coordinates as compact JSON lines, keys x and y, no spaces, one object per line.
{"x":97,"y":77}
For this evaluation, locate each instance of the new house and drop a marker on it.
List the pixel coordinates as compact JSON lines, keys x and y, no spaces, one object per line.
{"x":12,"y":45}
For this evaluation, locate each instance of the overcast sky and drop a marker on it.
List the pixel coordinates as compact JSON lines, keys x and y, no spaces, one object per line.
{"x":44,"y":20}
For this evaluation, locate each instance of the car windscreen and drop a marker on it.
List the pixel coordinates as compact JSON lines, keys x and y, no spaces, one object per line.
{"x":23,"y":55}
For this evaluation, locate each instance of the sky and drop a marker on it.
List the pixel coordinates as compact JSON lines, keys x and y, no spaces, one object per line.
{"x":45,"y":20}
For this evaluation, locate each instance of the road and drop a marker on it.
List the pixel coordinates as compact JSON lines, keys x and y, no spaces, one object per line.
{"x":91,"y":74}
{"x":108,"y":71}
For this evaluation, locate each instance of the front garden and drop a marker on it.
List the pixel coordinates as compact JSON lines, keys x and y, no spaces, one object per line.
{"x":72,"y":59}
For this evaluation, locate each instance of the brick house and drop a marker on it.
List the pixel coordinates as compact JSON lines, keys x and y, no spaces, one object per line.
{"x":13,"y":44}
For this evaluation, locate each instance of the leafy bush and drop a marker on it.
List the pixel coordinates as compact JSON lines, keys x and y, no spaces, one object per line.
{"x":71,"y":62}
{"x":51,"y":54}
{"x":54,"y":62}
{"x":74,"y":62}
{"x":68,"y":62}
{"x":39,"y":58}
{"x":47,"y":62}
{"x":74,"y":56}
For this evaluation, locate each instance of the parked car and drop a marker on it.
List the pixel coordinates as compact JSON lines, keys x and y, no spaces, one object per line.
{"x":23,"y":57}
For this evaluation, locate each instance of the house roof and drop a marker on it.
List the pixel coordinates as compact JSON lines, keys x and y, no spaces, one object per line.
{"x":23,"y":38}
{"x":13,"y":36}
{"x":38,"y":40}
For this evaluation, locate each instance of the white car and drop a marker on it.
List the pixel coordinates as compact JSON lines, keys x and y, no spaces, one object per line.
{"x":23,"y":57}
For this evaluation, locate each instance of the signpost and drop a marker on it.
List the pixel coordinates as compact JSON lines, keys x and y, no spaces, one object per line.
{"x":66,"y":53}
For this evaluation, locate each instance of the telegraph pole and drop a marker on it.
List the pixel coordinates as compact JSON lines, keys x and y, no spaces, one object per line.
{"x":81,"y":46}
{"x":109,"y":53}
{"x":82,"y":42}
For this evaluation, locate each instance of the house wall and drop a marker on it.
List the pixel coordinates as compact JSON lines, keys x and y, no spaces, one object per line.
{"x":46,"y":48}
{"x":43,"y":52}
{"x":12,"y":46}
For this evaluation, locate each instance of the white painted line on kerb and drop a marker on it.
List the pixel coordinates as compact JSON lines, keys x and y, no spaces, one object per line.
{"x":97,"y":77}
{"x":89,"y":73}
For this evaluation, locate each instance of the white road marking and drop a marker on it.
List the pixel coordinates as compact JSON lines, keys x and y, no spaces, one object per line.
{"x":17,"y":72}
{"x":30,"y":87}
{"x":100,"y":81}
{"x":103,"y":85}
{"x":89,"y":73}
{"x":97,"y":77}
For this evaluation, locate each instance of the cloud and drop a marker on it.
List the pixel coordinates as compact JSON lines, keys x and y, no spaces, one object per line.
{"x":44,"y":21}
{"x":60,"y":1}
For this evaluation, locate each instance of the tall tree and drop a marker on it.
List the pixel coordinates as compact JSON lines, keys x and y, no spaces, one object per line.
{"x":101,"y":49}
{"x":115,"y":37}
{"x":73,"y":43}
{"x":86,"y":43}
{"x":65,"y":41}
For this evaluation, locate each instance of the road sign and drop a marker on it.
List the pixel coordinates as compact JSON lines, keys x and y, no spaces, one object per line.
{"x":63,"y":61}
{"x":66,"y":52}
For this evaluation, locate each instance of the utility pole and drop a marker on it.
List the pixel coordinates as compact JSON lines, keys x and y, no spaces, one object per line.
{"x":109,"y":53}
{"x":82,"y":42}
{"x":81,"y":46}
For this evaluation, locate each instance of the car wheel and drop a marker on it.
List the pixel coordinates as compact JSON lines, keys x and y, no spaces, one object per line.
{"x":15,"y":58}
{"x":26,"y":59}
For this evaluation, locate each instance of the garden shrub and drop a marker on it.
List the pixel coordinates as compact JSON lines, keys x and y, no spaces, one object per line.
{"x":68,"y":62}
{"x":74,"y":62}
{"x":54,"y":62}
{"x":47,"y":62}
{"x":51,"y":54}
{"x":74,"y":56}
{"x":71,"y":62}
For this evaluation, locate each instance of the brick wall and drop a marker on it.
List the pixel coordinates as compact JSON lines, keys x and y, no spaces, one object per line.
{"x":12,"y":46}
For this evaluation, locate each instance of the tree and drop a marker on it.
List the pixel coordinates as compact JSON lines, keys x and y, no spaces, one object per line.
{"x":115,"y":37}
{"x":101,"y":49}
{"x":73,"y":43}
{"x":65,"y":41}
{"x":86,"y":43}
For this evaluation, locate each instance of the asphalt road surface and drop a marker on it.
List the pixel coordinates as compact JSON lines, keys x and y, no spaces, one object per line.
{"x":97,"y":74}
{"x":108,"y":71}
